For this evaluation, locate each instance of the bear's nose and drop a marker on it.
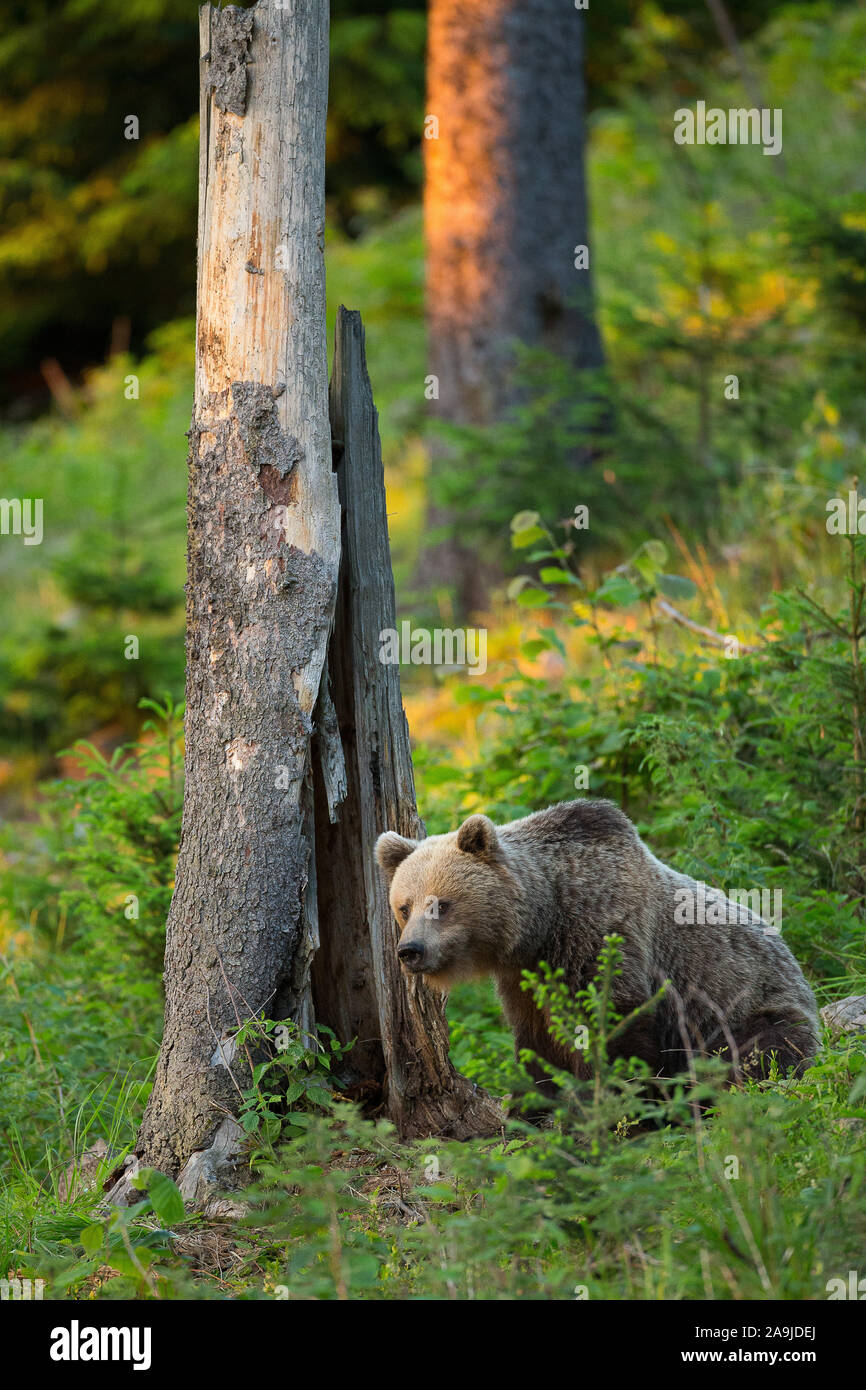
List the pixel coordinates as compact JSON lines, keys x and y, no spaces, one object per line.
{"x":410,"y":953}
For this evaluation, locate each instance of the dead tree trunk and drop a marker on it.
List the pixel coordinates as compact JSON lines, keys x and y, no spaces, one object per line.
{"x":263,"y":553}
{"x":264,"y":564}
{"x":402,"y":1048}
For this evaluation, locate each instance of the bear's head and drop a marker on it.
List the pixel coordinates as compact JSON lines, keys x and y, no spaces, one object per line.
{"x":454,"y":899}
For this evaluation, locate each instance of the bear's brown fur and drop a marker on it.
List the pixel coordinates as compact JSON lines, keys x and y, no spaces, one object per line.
{"x":498,"y":900}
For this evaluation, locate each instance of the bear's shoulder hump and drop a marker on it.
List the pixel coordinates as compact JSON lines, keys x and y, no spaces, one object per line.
{"x":587,"y":820}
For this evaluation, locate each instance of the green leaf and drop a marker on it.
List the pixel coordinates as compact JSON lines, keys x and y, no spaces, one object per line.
{"x":521,"y":539}
{"x":93,"y":1239}
{"x":533,"y":648}
{"x":645,"y":568}
{"x":533,"y":598}
{"x":271,"y":1128}
{"x":552,"y":574}
{"x":618,"y":590}
{"x":164,"y":1195}
{"x":657,"y":552}
{"x":525,"y":521}
{"x":319,"y":1096}
{"x":676,"y":586}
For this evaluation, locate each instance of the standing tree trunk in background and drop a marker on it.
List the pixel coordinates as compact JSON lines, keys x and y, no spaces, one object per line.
{"x":263,"y":557}
{"x":505,"y":207}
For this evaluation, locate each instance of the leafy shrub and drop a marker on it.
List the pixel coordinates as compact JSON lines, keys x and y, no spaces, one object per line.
{"x":745,"y":772}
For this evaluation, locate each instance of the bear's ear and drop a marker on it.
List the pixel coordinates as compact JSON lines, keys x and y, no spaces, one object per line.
{"x":391,"y":850}
{"x":477,"y":835}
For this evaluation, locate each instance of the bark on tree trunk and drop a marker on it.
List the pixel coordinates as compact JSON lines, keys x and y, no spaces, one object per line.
{"x":505,"y":207}
{"x":505,"y":195}
{"x":263,"y":552}
{"x":359,"y":987}
{"x":264,"y":564}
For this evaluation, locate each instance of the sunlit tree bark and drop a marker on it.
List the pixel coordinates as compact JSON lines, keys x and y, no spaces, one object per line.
{"x":263,"y":553}
{"x":505,"y":203}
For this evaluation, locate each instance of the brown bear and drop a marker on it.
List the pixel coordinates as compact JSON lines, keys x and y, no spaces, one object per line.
{"x":497,"y":900}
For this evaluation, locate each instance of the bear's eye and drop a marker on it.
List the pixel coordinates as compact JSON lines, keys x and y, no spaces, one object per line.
{"x":404,"y":911}
{"x":443,"y":907}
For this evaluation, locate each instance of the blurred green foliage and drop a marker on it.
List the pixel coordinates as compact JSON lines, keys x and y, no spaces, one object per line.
{"x":711,"y":263}
{"x":98,"y":227}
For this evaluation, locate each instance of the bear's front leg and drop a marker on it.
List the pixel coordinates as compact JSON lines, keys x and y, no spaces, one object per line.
{"x":543,"y":1084}
{"x":639,"y":1039}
